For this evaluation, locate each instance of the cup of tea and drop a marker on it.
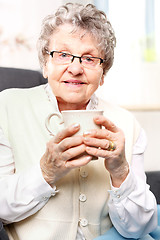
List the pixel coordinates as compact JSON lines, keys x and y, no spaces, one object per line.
{"x":83,"y":117}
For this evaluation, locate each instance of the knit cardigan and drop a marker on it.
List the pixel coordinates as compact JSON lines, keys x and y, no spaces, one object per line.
{"x":22,"y":118}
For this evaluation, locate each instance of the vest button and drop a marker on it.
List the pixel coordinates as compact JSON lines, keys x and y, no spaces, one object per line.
{"x":45,"y":198}
{"x":83,"y":173}
{"x":84,"y":222}
{"x":82,"y":197}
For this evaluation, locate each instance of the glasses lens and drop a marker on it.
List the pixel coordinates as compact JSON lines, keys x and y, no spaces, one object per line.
{"x":90,"y":62}
{"x":66,"y":58}
{"x":62,"y":58}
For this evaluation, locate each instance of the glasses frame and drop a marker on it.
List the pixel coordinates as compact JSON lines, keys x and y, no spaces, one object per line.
{"x":74,"y":56}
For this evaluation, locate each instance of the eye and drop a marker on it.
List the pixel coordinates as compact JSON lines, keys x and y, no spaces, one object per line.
{"x":88,"y":59}
{"x":64,"y":55}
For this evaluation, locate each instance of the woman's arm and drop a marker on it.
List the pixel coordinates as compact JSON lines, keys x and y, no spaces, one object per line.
{"x":26,"y":192}
{"x":22,"y":194}
{"x":132,"y":206}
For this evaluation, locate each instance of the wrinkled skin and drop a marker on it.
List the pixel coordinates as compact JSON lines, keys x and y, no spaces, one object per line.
{"x":62,"y":153}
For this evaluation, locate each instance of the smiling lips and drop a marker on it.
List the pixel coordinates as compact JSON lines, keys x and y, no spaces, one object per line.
{"x":74,"y":82}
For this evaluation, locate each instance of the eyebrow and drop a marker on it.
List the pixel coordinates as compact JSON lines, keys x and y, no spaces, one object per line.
{"x":85,"y":51}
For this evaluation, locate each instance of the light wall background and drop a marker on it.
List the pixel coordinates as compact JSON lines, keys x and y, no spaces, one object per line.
{"x":134,"y":80}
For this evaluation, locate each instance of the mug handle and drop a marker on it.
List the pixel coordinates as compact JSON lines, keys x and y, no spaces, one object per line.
{"x":47,"y":122}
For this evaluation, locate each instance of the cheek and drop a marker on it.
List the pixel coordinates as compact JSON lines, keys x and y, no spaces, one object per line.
{"x":97,"y":78}
{"x":54,"y":72}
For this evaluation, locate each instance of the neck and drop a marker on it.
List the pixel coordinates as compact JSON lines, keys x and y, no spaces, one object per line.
{"x":70,"y":106}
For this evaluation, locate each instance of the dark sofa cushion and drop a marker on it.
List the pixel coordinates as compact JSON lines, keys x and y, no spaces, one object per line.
{"x":3,"y":234}
{"x":153,"y":179}
{"x":20,"y":78}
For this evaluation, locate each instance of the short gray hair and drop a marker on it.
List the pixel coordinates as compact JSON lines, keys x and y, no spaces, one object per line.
{"x":86,"y":17}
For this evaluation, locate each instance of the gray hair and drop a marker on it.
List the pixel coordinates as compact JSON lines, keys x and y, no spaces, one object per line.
{"x":86,"y":17}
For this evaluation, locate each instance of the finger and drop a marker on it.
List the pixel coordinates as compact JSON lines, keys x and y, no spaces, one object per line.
{"x":100,"y":134}
{"x":99,"y":143}
{"x":70,"y":142}
{"x":74,"y":152}
{"x":67,"y":132}
{"x":80,"y":162}
{"x":101,"y":120}
{"x":99,"y":152}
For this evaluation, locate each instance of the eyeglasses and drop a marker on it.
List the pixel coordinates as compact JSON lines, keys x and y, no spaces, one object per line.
{"x":63,"y":58}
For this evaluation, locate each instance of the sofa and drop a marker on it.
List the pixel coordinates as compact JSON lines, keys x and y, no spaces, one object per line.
{"x":20,"y":78}
{"x":23,"y":78}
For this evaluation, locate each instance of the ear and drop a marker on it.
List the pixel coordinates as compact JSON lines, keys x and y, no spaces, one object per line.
{"x":102,"y":80}
{"x":45,"y":72}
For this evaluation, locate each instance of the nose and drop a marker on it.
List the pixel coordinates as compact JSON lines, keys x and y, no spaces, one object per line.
{"x":75,"y":67}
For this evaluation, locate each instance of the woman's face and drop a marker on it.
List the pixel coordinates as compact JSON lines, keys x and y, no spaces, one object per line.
{"x":73,"y":84}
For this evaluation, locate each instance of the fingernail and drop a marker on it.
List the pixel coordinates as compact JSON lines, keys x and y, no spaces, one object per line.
{"x":76,"y":125}
{"x":89,"y":158}
{"x":86,"y":133}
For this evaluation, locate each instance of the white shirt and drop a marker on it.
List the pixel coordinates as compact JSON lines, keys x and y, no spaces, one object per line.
{"x":132,"y":194}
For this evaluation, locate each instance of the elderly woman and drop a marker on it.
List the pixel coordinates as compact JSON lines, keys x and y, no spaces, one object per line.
{"x":50,"y":190}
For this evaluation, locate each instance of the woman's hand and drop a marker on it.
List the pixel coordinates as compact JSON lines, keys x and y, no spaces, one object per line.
{"x":98,"y":142}
{"x":63,"y":153}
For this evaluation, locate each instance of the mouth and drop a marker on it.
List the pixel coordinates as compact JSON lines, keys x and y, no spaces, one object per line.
{"x":74,"y":82}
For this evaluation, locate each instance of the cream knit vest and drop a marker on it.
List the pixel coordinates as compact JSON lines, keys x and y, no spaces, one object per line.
{"x":22,"y":118}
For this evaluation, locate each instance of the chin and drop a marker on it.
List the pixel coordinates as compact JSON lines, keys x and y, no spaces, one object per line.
{"x":74,"y":99}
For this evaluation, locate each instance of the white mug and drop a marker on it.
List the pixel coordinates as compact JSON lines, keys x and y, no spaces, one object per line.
{"x":82,"y":117}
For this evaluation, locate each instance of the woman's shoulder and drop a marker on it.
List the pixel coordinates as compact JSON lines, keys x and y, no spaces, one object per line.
{"x":116,"y":113}
{"x":19,"y":94}
{"x":112,"y":108}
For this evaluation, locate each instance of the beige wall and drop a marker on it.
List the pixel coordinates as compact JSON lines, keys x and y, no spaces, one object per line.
{"x":20,"y":22}
{"x":150,"y":121}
